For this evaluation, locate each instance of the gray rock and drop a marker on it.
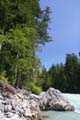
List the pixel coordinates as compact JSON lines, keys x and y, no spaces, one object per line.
{"x":14,"y":104}
{"x":9,"y":115}
{"x":53,"y":99}
{"x":27,"y":113}
{"x":2,"y":117}
{"x":7,"y":108}
{"x":1,"y":107}
{"x":34,"y":106}
{"x":25,"y":106}
{"x":1,"y":97}
{"x":21,"y":106}
{"x":34,"y":97}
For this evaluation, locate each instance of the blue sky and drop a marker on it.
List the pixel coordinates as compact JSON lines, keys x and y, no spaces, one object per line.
{"x":65,"y":31}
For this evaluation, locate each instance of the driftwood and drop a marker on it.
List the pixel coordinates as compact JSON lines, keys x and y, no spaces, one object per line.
{"x":7,"y":87}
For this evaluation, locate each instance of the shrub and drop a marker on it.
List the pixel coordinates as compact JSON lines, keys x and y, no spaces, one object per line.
{"x":34,"y":88}
{"x":3,"y":77}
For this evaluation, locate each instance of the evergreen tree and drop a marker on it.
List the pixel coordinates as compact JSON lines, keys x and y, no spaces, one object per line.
{"x":65,"y":77}
{"x":23,"y":27}
{"x":71,"y":66}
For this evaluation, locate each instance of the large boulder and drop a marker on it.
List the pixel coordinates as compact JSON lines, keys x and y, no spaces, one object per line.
{"x":53,"y":99}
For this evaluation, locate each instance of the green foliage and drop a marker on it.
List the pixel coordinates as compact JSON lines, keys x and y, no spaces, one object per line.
{"x":63,"y":77}
{"x":34,"y":88}
{"x":23,"y":27}
{"x":17,"y":51}
{"x":26,"y":12}
{"x":71,"y":69}
{"x":3,"y":77}
{"x":43,"y":79}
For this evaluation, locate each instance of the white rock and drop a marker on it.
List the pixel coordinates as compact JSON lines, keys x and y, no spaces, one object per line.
{"x":52,"y":99}
{"x":27,"y":113}
{"x":7,"y":108}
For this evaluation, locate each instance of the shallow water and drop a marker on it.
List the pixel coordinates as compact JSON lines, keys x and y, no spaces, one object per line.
{"x":74,"y":100}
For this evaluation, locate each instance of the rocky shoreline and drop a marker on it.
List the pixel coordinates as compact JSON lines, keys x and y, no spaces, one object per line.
{"x":27,"y":106}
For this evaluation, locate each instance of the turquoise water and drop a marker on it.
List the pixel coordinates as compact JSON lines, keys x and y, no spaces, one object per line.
{"x":75,"y":100}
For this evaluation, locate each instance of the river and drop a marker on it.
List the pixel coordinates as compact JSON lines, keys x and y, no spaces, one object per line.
{"x":74,"y":100}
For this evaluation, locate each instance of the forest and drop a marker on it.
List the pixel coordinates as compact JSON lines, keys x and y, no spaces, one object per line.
{"x":23,"y":30}
{"x":65,"y":77}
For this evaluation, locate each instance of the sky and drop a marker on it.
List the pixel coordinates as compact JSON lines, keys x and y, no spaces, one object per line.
{"x":65,"y":31}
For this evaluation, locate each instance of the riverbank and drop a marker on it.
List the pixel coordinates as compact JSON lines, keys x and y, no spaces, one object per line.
{"x":24,"y":105}
{"x":18,"y":106}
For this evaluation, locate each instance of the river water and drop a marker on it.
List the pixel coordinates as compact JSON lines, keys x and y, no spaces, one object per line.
{"x":74,"y":100}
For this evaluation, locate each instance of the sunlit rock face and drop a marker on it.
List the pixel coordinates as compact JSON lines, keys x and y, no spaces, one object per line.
{"x":53,"y":99}
{"x":19,"y":106}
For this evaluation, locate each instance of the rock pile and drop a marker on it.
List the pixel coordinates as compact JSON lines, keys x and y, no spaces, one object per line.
{"x":26,"y":106}
{"x":18,"y":106}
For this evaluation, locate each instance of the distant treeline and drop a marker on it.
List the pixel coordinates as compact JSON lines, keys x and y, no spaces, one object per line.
{"x":65,"y":77}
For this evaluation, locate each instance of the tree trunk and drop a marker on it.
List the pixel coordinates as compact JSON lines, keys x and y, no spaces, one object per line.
{"x":18,"y":78}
